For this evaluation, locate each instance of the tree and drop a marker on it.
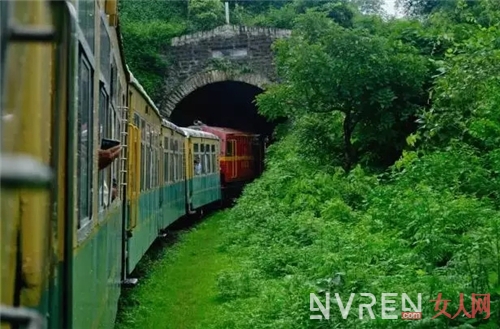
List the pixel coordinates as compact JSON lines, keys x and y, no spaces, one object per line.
{"x":205,"y":14}
{"x":369,"y":6}
{"x":376,"y":83}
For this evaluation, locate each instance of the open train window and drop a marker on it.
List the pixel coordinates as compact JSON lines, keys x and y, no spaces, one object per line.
{"x":85,"y":144}
{"x":229,"y":148}
{"x":115,"y":171}
{"x":104,"y":132}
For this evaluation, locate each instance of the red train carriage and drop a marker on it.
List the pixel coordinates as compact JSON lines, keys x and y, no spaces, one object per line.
{"x":240,"y":158}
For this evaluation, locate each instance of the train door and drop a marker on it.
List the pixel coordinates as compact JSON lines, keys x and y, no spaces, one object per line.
{"x":134,"y":170}
{"x":231,"y":152}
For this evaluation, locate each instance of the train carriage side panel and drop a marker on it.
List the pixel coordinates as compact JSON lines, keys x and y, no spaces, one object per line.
{"x":148,"y":208}
{"x":238,"y":157}
{"x":98,"y":244}
{"x":29,"y":233}
{"x":173,"y":188}
{"x":204,"y":185}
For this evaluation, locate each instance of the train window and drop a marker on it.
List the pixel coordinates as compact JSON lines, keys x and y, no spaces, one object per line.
{"x":214,"y":160}
{"x":115,"y":85}
{"x":229,"y":148}
{"x":183,"y":160}
{"x":165,"y":159}
{"x":104,"y":132}
{"x":195,"y":148}
{"x":159,"y":155}
{"x":85,"y":146}
{"x":157,"y":167}
{"x":147,"y":167}
{"x":176,"y":157}
{"x":152,"y":160}
{"x":209,"y":159}
{"x":171,"y":160}
{"x":204,"y":164}
{"x":105,"y":50}
{"x":153,"y":165}
{"x":143,"y":155}
{"x":202,"y":146}
{"x":155,"y":181}
{"x":115,"y":174}
{"x":137,"y":120}
{"x":179,"y":155}
{"x":86,"y":19}
{"x":213,"y":156}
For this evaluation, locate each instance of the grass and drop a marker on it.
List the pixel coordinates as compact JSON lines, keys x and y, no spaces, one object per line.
{"x":179,"y":290}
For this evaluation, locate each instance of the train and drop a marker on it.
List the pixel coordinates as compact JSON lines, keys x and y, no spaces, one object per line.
{"x":75,"y":221}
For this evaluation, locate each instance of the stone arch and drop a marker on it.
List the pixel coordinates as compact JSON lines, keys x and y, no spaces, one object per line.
{"x":205,"y":78}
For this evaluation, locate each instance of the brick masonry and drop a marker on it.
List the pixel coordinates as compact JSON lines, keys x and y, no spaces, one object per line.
{"x":227,"y":53}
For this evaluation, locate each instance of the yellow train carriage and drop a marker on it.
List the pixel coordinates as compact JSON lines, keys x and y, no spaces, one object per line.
{"x":145,"y":134}
{"x":52,"y":242}
{"x":64,"y":88}
{"x":202,"y":169}
{"x":34,"y":96}
{"x":173,"y":175}
{"x":101,"y":112}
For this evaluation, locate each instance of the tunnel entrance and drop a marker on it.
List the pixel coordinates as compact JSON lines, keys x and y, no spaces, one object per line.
{"x":227,"y":104}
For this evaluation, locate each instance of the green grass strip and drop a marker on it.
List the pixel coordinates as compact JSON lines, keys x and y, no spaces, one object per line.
{"x":179,"y":290}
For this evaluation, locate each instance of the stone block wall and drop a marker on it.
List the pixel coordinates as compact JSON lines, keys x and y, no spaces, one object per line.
{"x":226,"y":53}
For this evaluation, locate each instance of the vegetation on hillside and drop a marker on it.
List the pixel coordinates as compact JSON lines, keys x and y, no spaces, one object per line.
{"x":148,"y":26}
{"x":385,"y":177}
{"x":356,"y":197}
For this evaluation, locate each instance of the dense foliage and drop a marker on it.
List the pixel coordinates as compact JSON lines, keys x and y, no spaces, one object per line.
{"x":427,"y":223}
{"x":148,"y":26}
{"x":385,"y":177}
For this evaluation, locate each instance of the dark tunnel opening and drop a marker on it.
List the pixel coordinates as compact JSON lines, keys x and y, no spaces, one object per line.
{"x":227,"y":104}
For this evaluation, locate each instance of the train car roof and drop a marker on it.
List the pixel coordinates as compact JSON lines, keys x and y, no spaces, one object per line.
{"x":224,"y":130}
{"x":198,"y":133}
{"x":143,"y":92}
{"x":172,"y":126}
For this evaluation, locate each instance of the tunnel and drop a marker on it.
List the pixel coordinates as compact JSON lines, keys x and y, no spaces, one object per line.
{"x":227,"y":104}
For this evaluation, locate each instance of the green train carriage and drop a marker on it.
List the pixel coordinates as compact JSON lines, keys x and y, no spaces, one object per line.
{"x":67,"y":251}
{"x":67,"y":265}
{"x":203,"y":187}
{"x":156,"y":194}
